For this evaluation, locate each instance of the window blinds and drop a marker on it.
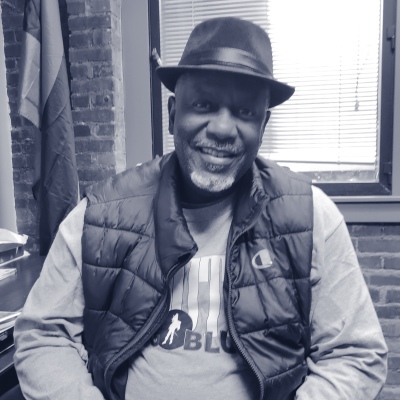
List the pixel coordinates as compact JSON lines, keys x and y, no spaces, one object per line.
{"x":330,"y":51}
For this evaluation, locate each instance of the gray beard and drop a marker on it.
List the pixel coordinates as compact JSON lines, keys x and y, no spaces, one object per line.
{"x":211,"y":184}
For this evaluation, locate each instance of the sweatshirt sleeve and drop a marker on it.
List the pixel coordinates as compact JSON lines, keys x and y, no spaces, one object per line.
{"x":50,"y":358}
{"x":348,"y":355}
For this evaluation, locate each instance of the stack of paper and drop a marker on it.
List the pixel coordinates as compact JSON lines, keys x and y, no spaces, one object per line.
{"x":4,"y":272}
{"x":7,"y":322}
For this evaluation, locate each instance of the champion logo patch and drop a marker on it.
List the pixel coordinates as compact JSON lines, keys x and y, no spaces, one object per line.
{"x":262,"y":259}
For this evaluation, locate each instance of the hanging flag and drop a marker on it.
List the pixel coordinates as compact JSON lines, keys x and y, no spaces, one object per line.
{"x":44,"y":99}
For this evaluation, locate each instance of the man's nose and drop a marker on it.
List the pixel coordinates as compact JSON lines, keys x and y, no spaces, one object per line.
{"x":222,"y":125}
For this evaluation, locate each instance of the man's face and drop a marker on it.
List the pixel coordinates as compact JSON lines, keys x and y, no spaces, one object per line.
{"x":218,"y":121}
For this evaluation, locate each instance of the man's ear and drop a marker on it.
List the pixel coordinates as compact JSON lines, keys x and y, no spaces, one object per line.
{"x":171,"y":112}
{"x":264,"y":124}
{"x":267,"y":116}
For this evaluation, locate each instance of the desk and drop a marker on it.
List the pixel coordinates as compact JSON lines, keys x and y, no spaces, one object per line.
{"x":13,"y":293}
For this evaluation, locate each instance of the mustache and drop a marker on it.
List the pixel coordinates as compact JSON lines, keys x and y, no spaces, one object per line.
{"x":228,"y":147}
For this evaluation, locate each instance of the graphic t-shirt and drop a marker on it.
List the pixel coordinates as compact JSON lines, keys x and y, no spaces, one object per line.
{"x":192,"y":355}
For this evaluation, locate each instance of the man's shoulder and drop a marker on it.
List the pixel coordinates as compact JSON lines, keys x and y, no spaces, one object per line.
{"x":141,"y":180}
{"x":281,"y":181}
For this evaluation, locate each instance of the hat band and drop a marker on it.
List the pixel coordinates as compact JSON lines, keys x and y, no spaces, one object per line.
{"x":226,"y":56}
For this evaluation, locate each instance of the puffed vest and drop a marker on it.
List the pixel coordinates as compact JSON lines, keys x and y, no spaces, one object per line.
{"x":135,"y":238}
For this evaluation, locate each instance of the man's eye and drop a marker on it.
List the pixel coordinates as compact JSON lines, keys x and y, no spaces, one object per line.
{"x":202,"y":105}
{"x":246,"y":112}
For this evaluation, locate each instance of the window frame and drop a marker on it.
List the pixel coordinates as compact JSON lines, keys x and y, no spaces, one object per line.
{"x":356,"y":209}
{"x":383,"y":186}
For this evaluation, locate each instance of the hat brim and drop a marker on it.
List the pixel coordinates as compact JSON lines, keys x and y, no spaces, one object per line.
{"x":279,"y":92}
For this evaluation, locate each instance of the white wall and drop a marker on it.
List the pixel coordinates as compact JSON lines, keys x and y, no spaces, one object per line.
{"x":136,"y":69}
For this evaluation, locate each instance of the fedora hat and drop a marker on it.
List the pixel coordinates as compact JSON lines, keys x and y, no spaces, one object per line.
{"x":231,"y":45}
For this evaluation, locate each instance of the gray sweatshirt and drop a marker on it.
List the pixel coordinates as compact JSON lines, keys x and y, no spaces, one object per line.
{"x":349,"y":358}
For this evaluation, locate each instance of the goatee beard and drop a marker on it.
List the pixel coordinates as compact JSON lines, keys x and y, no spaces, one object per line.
{"x":210,"y":183}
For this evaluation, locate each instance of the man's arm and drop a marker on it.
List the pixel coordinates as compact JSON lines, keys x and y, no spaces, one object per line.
{"x":50,"y":359}
{"x":350,"y":355}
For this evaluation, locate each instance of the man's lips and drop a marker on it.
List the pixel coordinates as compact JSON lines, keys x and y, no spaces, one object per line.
{"x":216,"y":152}
{"x":216,"y":156}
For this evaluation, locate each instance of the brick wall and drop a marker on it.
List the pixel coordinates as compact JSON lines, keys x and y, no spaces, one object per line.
{"x":378,"y":251}
{"x":95,"y":56}
{"x":92,"y":33}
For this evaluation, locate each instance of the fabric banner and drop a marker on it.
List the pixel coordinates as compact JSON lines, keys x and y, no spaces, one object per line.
{"x":44,"y":99}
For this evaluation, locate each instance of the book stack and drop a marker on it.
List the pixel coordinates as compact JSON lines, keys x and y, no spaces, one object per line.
{"x":11,"y":245}
{"x":7,"y":322}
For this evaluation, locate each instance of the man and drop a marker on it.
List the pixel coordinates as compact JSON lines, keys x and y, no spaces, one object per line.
{"x":208,"y":273}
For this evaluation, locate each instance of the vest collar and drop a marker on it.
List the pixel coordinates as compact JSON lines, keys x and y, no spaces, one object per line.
{"x":173,"y":241}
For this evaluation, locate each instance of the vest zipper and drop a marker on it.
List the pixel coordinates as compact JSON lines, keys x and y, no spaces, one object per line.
{"x":153,"y":324}
{"x":231,"y":326}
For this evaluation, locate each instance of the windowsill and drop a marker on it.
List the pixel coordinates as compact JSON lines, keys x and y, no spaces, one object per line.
{"x":365,"y":199}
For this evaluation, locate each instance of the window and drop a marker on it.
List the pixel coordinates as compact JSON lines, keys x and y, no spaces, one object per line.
{"x":338,"y":127}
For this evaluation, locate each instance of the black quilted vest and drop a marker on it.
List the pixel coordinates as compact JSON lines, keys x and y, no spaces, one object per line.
{"x":135,"y":238}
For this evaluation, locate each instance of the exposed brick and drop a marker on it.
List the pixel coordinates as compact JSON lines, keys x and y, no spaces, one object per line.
{"x":101,"y":100}
{"x":12,"y":50}
{"x":28,"y":147}
{"x":80,"y":39}
{"x":102,"y":70}
{"x":80,"y":71}
{"x":393,"y":296}
{"x":21,"y":188}
{"x":95,"y":146}
{"x":9,"y":37}
{"x":394,"y":362}
{"x":16,"y":175}
{"x":27,"y":176}
{"x":10,"y":63}
{"x":12,"y":21}
{"x":375,"y":294}
{"x":84,"y":160}
{"x":95,"y":175}
{"x":93,"y":115}
{"x":16,"y":148}
{"x":376,"y":245}
{"x":366,"y":230}
{"x":12,"y":79}
{"x":83,"y":23}
{"x":80,"y":101}
{"x":77,"y":7}
{"x":27,"y":228}
{"x":101,"y":54}
{"x":393,"y":378}
{"x":370,"y":262}
{"x":101,"y":37}
{"x":106,"y":130}
{"x":390,"y":328}
{"x":18,"y":36}
{"x":97,"y":6}
{"x":12,"y":93}
{"x":92,"y":85}
{"x":391,"y":263}
{"x":30,"y":161}
{"x":382,"y":280}
{"x":81,"y":130}
{"x":18,"y":161}
{"x":105,"y":159}
{"x":390,"y":393}
{"x":388,"y":311}
{"x":13,"y":107}
{"x":21,"y":203}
